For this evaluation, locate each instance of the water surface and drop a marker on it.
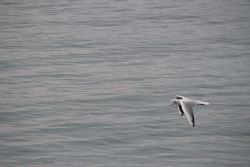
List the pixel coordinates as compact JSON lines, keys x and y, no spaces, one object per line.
{"x":86,"y":83}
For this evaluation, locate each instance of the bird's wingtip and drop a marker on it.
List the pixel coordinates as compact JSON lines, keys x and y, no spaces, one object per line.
{"x":179,"y":97}
{"x":202,"y":103}
{"x":207,"y":103}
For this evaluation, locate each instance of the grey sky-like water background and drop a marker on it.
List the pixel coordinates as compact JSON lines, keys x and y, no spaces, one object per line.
{"x":87,"y":83}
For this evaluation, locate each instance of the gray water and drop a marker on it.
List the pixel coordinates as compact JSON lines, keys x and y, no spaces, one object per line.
{"x":87,"y":83}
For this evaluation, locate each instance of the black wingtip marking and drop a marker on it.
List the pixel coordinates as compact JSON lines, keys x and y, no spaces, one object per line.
{"x":193,"y":124}
{"x":178,"y":97}
{"x":180,"y":108}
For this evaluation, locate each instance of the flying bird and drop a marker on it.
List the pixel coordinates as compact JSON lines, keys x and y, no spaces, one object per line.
{"x":185,"y":106}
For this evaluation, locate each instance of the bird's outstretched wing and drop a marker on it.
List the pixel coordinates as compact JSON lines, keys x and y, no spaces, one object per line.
{"x":188,"y":110}
{"x":180,"y":110}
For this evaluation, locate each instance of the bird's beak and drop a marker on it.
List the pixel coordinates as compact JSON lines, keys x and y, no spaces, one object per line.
{"x":170,"y":104}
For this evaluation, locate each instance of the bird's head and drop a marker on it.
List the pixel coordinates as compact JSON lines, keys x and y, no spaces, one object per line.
{"x":173,"y":102}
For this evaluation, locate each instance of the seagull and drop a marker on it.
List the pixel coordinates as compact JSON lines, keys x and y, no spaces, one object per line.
{"x":185,"y":106}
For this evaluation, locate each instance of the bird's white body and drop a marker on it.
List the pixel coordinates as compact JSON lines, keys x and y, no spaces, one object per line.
{"x":185,"y":106}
